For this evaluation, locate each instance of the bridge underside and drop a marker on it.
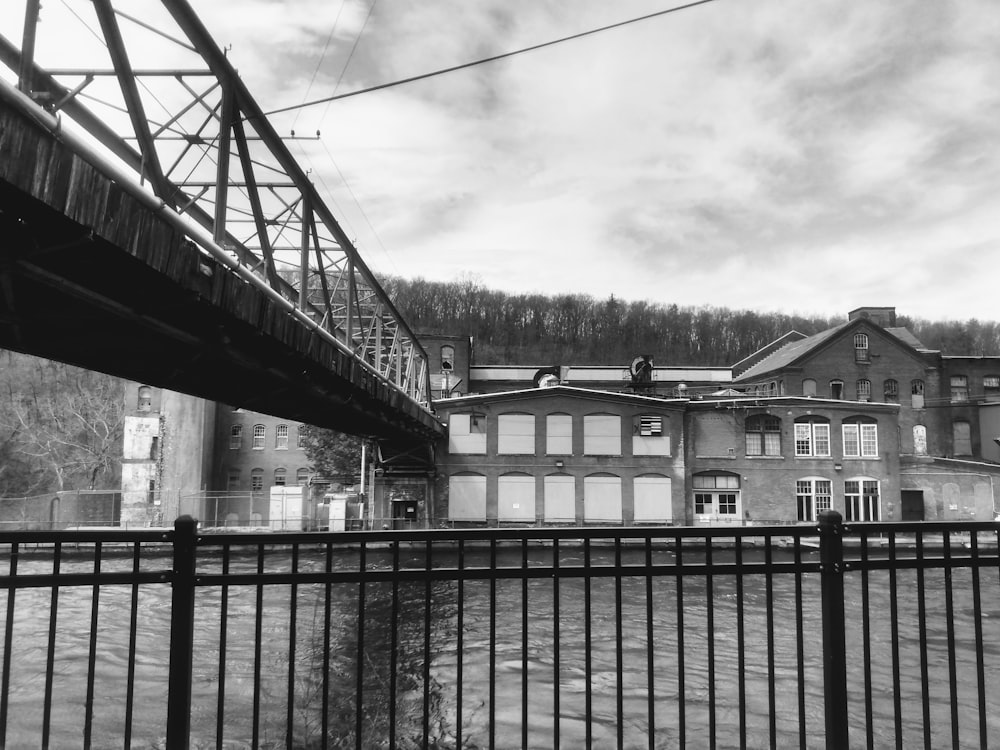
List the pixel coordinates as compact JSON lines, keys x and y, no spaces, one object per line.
{"x":91,"y":277}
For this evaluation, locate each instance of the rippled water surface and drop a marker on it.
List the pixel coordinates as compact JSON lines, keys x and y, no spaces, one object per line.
{"x":448,"y":669}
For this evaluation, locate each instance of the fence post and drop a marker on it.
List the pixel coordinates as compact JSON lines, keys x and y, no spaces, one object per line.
{"x":181,"y":635}
{"x":831,"y":551}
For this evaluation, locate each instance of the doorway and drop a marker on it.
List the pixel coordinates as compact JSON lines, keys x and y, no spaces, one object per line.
{"x":912,"y":505}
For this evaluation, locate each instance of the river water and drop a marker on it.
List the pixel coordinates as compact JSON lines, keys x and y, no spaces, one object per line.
{"x":427,"y":663}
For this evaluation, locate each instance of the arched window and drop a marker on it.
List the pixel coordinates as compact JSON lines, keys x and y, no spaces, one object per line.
{"x":917,"y":394}
{"x":812,"y":495}
{"x":864,"y":389}
{"x":861,"y":347}
{"x":145,"y":402}
{"x":281,"y":437}
{"x":559,"y":435}
{"x":302,"y":477}
{"x":516,"y":497}
{"x":280,"y":476}
{"x":860,"y":437}
{"x":235,"y":437}
{"x":920,"y":439}
{"x":516,"y":434}
{"x":233,"y":480}
{"x":258,"y":437}
{"x":763,"y":435}
{"x":890,"y":391}
{"x":808,"y":387}
{"x":467,"y":497}
{"x":837,"y":389}
{"x":861,"y":496}
{"x":447,"y":358}
{"x":467,"y":433}
{"x":257,"y":480}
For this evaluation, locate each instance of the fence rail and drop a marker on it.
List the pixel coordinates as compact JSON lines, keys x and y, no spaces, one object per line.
{"x":831,"y":635}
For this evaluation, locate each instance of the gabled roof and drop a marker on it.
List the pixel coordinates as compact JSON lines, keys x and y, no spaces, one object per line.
{"x":790,"y":353}
{"x":794,"y":351}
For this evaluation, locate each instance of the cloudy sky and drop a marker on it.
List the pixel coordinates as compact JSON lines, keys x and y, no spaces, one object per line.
{"x":776,"y":155}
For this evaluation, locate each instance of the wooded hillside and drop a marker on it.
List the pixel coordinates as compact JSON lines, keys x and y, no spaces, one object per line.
{"x":531,"y":329}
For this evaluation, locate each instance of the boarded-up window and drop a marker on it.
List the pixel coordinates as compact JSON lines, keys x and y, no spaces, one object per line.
{"x":648,"y":438}
{"x":560,"y":498}
{"x":652,"y":499}
{"x":516,"y":434}
{"x":963,"y":438}
{"x":467,"y":433}
{"x":467,"y":497}
{"x":602,"y":435}
{"x":917,"y":394}
{"x":516,"y":498}
{"x":559,"y":435}
{"x":602,"y":499}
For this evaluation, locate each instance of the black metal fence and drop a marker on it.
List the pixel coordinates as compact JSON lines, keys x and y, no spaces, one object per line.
{"x":835,"y":635}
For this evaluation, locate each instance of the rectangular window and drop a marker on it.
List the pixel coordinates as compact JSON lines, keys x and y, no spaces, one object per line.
{"x":864,"y":388}
{"x":467,"y":433}
{"x":559,"y":435}
{"x":516,"y":434}
{"x":812,"y":439}
{"x":650,"y":426}
{"x":860,"y":440}
{"x":236,"y":437}
{"x":233,"y":480}
{"x":281,"y":437}
{"x":258,"y":437}
{"x":959,"y":388}
{"x":602,"y":435}
{"x":516,"y":498}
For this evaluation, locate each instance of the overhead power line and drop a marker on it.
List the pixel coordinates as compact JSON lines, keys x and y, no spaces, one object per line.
{"x":484,"y":60}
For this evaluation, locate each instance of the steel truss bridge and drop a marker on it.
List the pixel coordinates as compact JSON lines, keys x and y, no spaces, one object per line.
{"x":154,"y":225}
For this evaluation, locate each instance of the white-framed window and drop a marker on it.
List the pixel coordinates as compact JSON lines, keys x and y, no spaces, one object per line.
{"x":467,"y":497}
{"x":864,"y":389}
{"x":235,"y":437}
{"x":860,"y":438}
{"x":559,"y":435}
{"x":259,"y":434}
{"x":991,"y":384}
{"x":602,"y":499}
{"x":516,"y":498}
{"x":559,"y":492}
{"x":280,"y":477}
{"x":812,"y":494}
{"x":281,"y":437}
{"x":763,"y":435}
{"x":861,"y":347}
{"x":917,"y":394}
{"x":812,"y":438}
{"x":890,"y":391}
{"x":861,"y":498}
{"x":467,"y":433}
{"x":516,"y":434}
{"x":233,"y":480}
{"x":257,"y":480}
{"x":652,"y":499}
{"x":648,"y":436}
{"x":602,"y":435}
{"x":959,"y":388}
{"x":716,"y":494}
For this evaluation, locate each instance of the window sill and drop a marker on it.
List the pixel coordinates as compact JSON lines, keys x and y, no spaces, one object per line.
{"x":717,"y":458}
{"x":862,"y":458}
{"x":765,"y":458}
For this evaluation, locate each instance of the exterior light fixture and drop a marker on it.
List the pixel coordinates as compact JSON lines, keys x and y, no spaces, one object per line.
{"x":559,"y":464}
